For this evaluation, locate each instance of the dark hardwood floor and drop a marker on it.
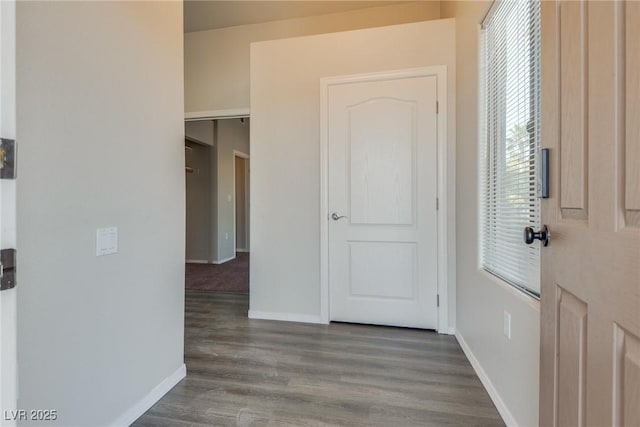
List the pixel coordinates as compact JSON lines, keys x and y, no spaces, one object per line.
{"x":231,"y":276}
{"x":266,"y":373}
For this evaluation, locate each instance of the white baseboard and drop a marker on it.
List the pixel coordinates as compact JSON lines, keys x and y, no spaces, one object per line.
{"x":197,"y":261}
{"x":286,"y":317}
{"x":150,"y":399}
{"x":451,"y":330}
{"x":506,"y":415}
{"x":222,"y":261}
{"x":242,"y":250}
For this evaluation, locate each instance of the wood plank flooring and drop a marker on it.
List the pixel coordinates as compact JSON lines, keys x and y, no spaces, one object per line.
{"x":243,"y":372}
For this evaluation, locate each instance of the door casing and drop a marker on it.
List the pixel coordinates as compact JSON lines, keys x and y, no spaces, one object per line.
{"x":444,"y":212}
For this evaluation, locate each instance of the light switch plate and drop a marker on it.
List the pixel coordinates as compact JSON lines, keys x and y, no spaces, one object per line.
{"x":106,"y":241}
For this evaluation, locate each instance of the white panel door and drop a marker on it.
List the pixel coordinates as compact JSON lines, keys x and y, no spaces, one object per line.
{"x":8,"y":364}
{"x":382,"y":178}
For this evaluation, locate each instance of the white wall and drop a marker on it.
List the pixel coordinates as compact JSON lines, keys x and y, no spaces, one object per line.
{"x":217,"y":61}
{"x":285,"y":149}
{"x":231,"y":134}
{"x":510,"y":365}
{"x":100,"y":129}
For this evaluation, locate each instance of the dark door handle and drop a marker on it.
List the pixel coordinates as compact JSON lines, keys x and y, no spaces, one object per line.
{"x":543,"y":235}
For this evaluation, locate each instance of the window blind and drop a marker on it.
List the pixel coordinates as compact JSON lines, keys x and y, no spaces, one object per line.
{"x":510,"y":141}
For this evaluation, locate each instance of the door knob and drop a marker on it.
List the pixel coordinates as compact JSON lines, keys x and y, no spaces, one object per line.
{"x":543,"y":235}
{"x":335,"y":216}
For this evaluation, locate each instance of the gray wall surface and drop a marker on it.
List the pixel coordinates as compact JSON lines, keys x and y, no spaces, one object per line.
{"x":242,"y":201}
{"x":101,"y":143}
{"x":199,"y":194}
{"x":200,"y":131}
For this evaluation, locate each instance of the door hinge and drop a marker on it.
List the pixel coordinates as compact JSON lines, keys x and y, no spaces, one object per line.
{"x":437,"y":107}
{"x":437,"y":203}
{"x":7,"y":269}
{"x":7,"y":158}
{"x":438,"y":300}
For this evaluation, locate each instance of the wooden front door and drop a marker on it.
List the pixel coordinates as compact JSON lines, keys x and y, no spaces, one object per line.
{"x":590,"y":310}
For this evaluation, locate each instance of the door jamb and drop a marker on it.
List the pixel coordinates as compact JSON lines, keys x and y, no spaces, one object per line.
{"x":440,"y":71}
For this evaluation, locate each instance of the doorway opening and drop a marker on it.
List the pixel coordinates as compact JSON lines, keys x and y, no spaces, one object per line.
{"x":217,"y":205}
{"x":373,"y":238}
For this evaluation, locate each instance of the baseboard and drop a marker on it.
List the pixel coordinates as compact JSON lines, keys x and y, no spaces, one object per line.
{"x":197,"y":261}
{"x":506,"y":415}
{"x":451,"y":330}
{"x":243,"y":250}
{"x":222,"y":261}
{"x":150,"y":399}
{"x":285,"y":317}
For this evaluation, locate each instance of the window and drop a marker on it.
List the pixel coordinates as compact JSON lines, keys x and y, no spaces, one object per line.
{"x":510,"y":142}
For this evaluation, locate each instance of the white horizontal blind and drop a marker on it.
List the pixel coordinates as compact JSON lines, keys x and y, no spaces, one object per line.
{"x":510,"y":141}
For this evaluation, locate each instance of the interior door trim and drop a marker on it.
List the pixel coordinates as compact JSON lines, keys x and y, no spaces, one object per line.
{"x":446,"y":210}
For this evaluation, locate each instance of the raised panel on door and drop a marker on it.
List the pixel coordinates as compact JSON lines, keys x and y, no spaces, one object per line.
{"x":382,"y":171}
{"x":632,"y":106}
{"x":382,"y":140}
{"x":627,"y":378}
{"x":383,"y":270}
{"x":572,"y":339}
{"x":573,"y":92}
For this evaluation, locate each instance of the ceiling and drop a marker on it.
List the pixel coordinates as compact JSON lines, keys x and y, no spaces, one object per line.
{"x":202,"y":15}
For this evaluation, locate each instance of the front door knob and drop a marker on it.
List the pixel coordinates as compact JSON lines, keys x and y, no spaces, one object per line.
{"x":543,"y":235}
